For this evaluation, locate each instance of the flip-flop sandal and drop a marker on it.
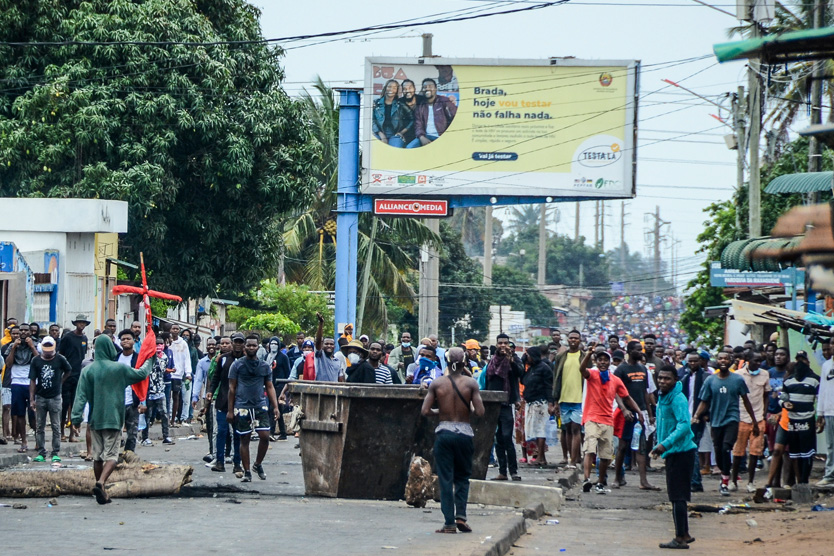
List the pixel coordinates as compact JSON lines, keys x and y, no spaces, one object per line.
{"x":449,"y":530}
{"x":674,"y":545}
{"x":653,"y":489}
{"x":100,"y":495}
{"x":462,"y":526}
{"x":21,"y":450}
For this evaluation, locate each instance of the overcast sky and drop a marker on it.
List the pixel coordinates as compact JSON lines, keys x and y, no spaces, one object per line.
{"x":683,"y":163}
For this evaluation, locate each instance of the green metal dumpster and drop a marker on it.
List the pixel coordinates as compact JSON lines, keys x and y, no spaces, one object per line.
{"x":357,"y":441}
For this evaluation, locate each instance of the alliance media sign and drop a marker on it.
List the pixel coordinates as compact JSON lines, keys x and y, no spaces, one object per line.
{"x":410,"y":207}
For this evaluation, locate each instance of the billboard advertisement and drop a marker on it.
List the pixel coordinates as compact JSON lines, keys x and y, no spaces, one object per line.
{"x":443,"y":127}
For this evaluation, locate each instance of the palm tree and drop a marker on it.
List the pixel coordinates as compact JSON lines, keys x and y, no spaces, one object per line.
{"x":789,"y":88}
{"x":525,"y":217}
{"x":310,"y":234}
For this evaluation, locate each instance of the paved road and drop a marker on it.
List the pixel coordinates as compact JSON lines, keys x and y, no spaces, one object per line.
{"x":263,"y":516}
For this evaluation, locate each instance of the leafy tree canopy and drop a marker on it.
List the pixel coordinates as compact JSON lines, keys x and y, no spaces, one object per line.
{"x":517,"y":289}
{"x":286,"y":310}
{"x":201,"y":141}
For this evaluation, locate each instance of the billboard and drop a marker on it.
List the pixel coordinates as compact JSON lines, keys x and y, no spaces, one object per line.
{"x":560,"y":127}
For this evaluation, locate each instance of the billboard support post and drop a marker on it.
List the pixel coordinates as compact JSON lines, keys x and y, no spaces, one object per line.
{"x":347,"y":220}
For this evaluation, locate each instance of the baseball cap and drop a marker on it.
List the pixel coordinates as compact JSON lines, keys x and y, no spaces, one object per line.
{"x":48,"y":344}
{"x":237,"y":336}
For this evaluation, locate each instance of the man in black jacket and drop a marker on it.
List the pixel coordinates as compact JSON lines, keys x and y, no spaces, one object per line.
{"x":503,"y":373}
{"x":221,"y":405}
{"x":538,"y":395}
{"x":691,"y":383}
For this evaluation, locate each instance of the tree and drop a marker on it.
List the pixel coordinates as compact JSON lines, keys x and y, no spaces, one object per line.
{"x":201,"y":141}
{"x":463,"y":300}
{"x":720,"y":230}
{"x":468,"y":222}
{"x":294,"y":303}
{"x":515,"y":288}
{"x":565,"y":257}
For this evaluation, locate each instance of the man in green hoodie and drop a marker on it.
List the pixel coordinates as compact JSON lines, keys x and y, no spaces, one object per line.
{"x":102,"y":385}
{"x":677,"y":448}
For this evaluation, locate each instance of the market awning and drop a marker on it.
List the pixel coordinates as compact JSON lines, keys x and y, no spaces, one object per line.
{"x":802,"y":183}
{"x":808,"y":44}
{"x":754,"y":313}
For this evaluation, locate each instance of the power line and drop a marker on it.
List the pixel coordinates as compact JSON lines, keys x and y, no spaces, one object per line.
{"x":383,"y":27}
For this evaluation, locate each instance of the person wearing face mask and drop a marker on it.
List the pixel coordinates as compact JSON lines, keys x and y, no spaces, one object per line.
{"x":425,"y":369}
{"x":758,"y":383}
{"x":360,"y":371}
{"x":402,"y":356}
{"x":46,"y":375}
{"x":279,"y":365}
{"x":163,"y":363}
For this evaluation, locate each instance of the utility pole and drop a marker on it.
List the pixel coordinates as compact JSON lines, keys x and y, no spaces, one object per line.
{"x":741,"y":143}
{"x":814,"y":150}
{"x":602,"y":225}
{"x":576,"y":225}
{"x":622,"y":238}
{"x":542,"y":244}
{"x":657,"y":238}
{"x":596,"y":223}
{"x":754,"y":191}
{"x":488,"y":246}
{"x":429,"y":260}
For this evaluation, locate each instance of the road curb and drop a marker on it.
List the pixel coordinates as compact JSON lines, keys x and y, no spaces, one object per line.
{"x":502,"y":542}
{"x":10,"y":460}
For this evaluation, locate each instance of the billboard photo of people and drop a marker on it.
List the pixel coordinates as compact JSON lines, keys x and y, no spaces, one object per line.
{"x":402,"y":117}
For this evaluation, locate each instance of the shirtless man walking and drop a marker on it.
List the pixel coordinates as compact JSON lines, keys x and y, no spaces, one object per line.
{"x":457,"y":396}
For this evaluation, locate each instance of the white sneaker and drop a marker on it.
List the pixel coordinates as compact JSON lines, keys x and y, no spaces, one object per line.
{"x":751,"y":487}
{"x":825,"y":482}
{"x":733,"y":487}
{"x":147,"y":442}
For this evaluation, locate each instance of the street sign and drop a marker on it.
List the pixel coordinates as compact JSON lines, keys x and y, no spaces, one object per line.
{"x":411,"y":207}
{"x":729,"y":278}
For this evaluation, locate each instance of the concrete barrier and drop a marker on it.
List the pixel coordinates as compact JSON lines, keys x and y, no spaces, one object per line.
{"x":514,"y":495}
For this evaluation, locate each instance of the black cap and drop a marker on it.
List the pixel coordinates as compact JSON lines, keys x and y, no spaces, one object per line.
{"x":618,"y":354}
{"x":237,"y":336}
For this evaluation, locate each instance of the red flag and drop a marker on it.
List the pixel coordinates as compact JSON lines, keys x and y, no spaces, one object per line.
{"x":147,"y":351}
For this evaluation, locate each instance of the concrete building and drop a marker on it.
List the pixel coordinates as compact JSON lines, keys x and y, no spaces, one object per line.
{"x":52,"y":257}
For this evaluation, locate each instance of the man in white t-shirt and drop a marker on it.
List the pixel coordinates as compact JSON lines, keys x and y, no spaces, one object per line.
{"x":132,"y":405}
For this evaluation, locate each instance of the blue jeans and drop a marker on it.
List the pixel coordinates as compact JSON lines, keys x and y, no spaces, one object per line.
{"x":698,"y":432}
{"x":416,"y":142}
{"x":222,"y":431}
{"x":394,"y":141}
{"x":168,"y":401}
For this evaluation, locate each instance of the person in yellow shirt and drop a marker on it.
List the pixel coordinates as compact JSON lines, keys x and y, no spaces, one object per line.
{"x":567,"y":396}
{"x":7,"y":336}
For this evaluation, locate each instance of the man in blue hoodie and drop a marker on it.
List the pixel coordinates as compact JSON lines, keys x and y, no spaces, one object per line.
{"x":677,"y":448}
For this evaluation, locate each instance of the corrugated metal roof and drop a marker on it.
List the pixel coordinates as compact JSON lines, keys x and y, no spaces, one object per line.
{"x":801,"y":183}
{"x":741,"y":254}
{"x":808,"y":44}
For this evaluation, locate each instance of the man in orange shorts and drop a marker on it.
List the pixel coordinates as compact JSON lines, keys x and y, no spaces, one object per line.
{"x":758,"y":383}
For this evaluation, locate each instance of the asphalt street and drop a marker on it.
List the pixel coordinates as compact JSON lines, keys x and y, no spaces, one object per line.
{"x":217,"y":513}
